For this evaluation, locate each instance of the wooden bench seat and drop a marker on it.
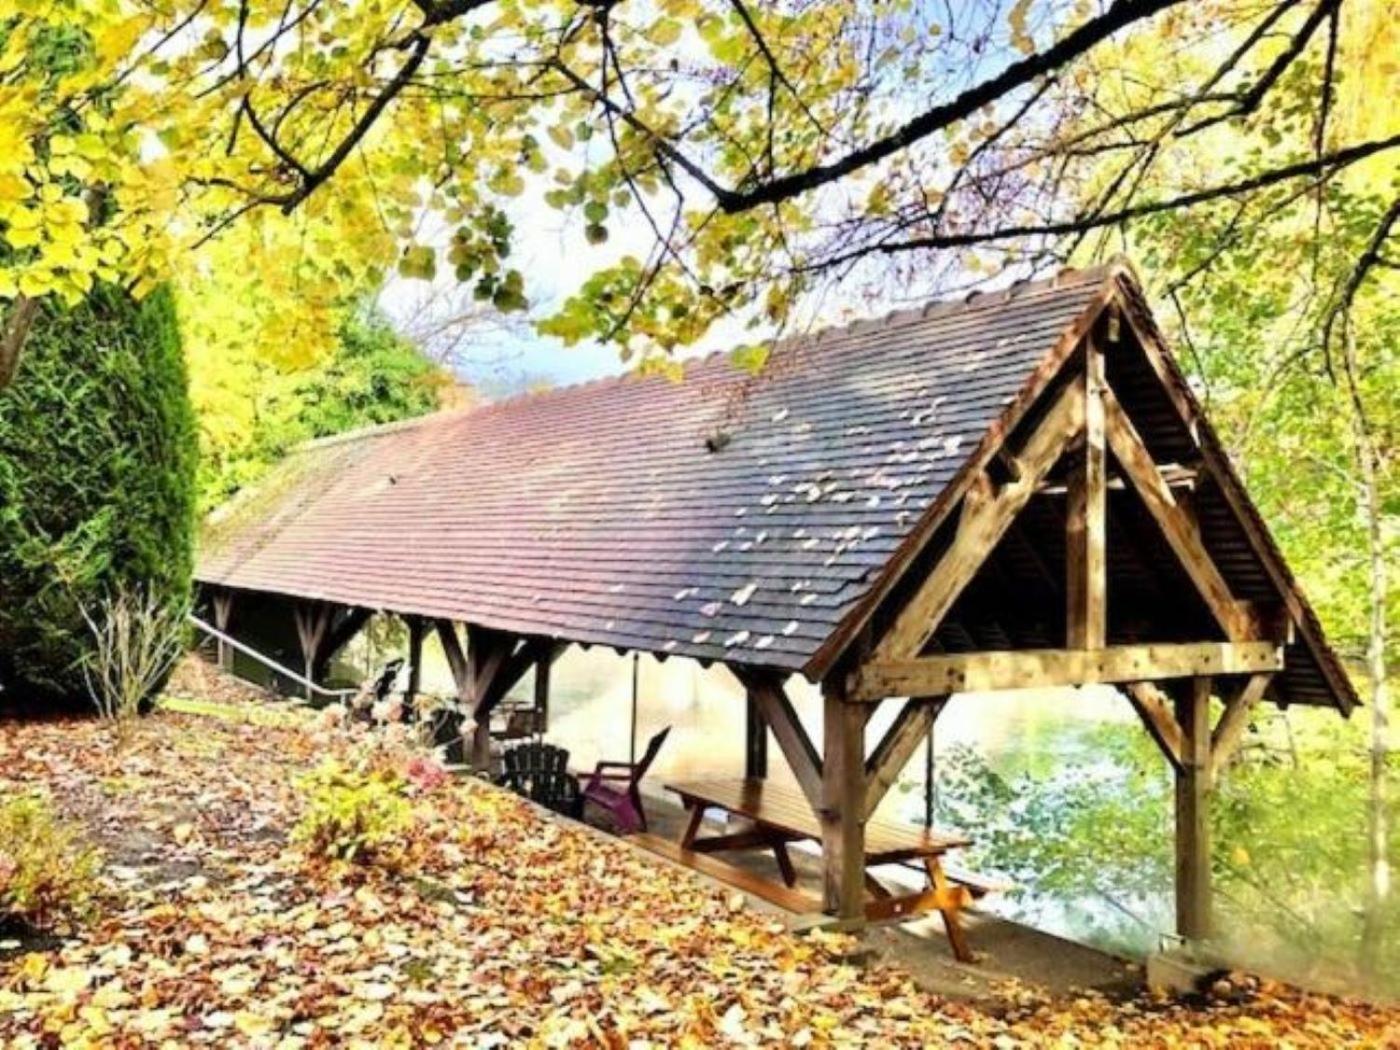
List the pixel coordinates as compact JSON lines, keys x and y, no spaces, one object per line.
{"x":785,"y":897}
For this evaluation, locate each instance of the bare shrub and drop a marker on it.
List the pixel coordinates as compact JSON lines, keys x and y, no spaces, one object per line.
{"x":136,"y":641}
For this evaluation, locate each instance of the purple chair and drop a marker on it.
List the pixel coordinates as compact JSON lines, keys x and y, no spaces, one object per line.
{"x":614,"y":786}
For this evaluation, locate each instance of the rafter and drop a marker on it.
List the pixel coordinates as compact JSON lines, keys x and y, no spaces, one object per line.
{"x":1176,"y":524}
{"x":986,"y":514}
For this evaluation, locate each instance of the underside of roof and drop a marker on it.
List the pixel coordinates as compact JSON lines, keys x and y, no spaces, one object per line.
{"x":759,"y":519}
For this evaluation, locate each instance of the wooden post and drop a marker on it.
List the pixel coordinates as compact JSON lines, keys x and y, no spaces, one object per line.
{"x":1085,"y":519}
{"x":223,"y":617}
{"x":1193,"y":788}
{"x":312,"y":619}
{"x":542,"y":669}
{"x":481,"y":736}
{"x":843,"y":802}
{"x":415,"y":661}
{"x":755,"y":740}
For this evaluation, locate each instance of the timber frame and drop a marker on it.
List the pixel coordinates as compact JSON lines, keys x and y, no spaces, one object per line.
{"x":1095,"y":534}
{"x":1075,"y":421}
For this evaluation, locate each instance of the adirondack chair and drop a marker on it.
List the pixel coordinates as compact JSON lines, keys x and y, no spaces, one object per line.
{"x":614,"y":786}
{"x":540,"y":772}
{"x":373,"y":690}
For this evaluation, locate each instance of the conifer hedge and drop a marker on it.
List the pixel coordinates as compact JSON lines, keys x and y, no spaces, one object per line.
{"x":97,"y":476}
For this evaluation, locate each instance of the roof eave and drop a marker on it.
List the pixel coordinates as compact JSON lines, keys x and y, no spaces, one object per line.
{"x":829,"y":654}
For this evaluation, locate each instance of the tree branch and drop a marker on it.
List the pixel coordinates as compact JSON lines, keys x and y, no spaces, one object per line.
{"x":1326,"y":164}
{"x":18,"y":321}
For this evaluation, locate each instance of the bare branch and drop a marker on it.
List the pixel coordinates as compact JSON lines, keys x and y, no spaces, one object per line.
{"x":1325,"y":165}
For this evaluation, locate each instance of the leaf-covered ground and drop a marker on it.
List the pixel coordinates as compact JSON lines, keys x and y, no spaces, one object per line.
{"x":504,"y":929}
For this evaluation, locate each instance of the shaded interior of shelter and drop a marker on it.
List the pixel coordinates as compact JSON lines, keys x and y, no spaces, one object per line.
{"x":1017,"y":599}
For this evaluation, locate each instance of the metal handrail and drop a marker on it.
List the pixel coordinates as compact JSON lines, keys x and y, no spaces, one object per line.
{"x":268,"y":662}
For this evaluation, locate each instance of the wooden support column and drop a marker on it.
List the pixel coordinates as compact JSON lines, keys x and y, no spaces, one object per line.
{"x":755,"y":740}
{"x":457,"y":663}
{"x":223,"y":619}
{"x":542,"y":671}
{"x":415,"y":661}
{"x":492,"y":663}
{"x":843,"y":803}
{"x":313,"y":621}
{"x":1086,"y":564}
{"x":1193,"y":790}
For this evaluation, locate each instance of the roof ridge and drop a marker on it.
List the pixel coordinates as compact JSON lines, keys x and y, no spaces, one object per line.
{"x":937,"y":307}
{"x":376,"y":429}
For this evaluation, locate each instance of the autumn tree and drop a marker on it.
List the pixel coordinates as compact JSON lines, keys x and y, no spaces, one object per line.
{"x":1283,"y":308}
{"x":763,"y":149}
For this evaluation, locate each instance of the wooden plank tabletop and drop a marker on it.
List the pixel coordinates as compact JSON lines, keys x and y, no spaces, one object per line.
{"x":785,"y":809}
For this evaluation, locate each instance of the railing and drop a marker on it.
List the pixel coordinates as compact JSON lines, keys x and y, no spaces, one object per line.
{"x":267,"y":661}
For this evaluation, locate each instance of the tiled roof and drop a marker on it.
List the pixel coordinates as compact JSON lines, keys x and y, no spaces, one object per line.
{"x":598,"y":513}
{"x":730,"y":517}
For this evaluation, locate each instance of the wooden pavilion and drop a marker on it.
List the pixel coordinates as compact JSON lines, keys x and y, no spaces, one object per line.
{"x":1017,"y":490}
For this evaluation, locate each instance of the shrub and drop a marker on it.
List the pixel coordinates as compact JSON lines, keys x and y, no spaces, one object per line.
{"x":136,"y":642}
{"x":45,"y":870}
{"x":97,"y":462}
{"x":355,"y":815}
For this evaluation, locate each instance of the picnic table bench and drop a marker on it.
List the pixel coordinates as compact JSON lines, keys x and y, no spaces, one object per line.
{"x":779,"y":815}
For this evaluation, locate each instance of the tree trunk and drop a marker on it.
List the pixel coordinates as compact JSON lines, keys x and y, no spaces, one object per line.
{"x":13,"y":332}
{"x":1378,"y":836}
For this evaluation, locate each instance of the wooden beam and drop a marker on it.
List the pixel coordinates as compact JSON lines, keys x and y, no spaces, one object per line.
{"x":776,"y":710}
{"x":843,"y":803}
{"x":1221,"y":471}
{"x":1175,"y":522}
{"x":223,"y":617}
{"x":1154,"y":708}
{"x":1038,"y":668}
{"x":1225,"y":739}
{"x":340,"y":634}
{"x":755,"y":740}
{"x":416,"y":630}
{"x":456,"y":658}
{"x":1193,"y":787}
{"x":1086,"y":557}
{"x":895,"y":749}
{"x":986,"y":514}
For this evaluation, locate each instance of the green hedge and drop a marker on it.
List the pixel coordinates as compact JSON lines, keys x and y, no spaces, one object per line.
{"x":97,"y":475}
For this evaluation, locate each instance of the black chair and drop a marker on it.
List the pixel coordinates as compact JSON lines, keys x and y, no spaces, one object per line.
{"x":384,"y":684}
{"x":540,"y":772}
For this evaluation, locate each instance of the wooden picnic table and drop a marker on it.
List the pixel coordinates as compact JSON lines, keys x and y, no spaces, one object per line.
{"x":780,"y":815}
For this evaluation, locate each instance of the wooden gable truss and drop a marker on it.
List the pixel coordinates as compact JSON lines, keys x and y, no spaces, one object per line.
{"x":1075,"y":421}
